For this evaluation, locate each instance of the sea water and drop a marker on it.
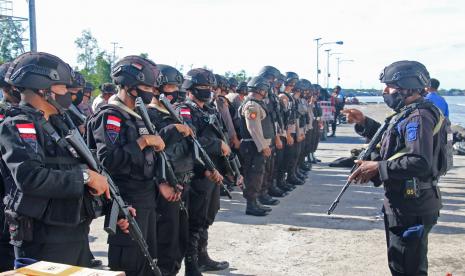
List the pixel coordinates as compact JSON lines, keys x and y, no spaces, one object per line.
{"x":456,"y":106}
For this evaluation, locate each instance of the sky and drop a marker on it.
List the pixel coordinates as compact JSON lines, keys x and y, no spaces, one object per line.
{"x":231,"y":35}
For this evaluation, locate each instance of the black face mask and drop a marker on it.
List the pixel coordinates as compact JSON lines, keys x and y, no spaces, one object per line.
{"x":79,"y":95}
{"x":144,"y":95}
{"x":395,"y":101}
{"x":203,"y":95}
{"x":64,"y":100}
{"x":172,"y":96}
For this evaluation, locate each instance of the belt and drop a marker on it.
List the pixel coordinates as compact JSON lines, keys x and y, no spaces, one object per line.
{"x":246,"y":140}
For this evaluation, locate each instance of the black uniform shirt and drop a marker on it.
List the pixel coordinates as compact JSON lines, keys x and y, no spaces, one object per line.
{"x":52,"y":188}
{"x":415,"y":133}
{"x":113,"y":134}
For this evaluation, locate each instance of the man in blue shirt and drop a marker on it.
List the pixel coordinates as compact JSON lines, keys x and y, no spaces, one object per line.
{"x":434,"y":97}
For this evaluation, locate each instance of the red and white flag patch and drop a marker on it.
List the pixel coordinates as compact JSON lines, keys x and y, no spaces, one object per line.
{"x":186,"y":112}
{"x":2,"y":117}
{"x":113,"y":127}
{"x":28,"y":133}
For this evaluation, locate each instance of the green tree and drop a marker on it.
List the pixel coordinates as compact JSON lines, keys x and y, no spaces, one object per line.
{"x":88,"y":50}
{"x":10,"y":40}
{"x":101,"y":72}
{"x":239,"y":76}
{"x":144,"y":55}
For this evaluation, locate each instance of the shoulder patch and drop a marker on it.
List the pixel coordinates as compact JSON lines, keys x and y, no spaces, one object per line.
{"x":28,"y":134}
{"x":2,"y":117}
{"x":412,"y":131}
{"x":113,"y":127}
{"x":185,"y":112}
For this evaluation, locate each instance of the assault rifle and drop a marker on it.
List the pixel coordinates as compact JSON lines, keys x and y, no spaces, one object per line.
{"x":364,"y":155}
{"x":118,"y":206}
{"x":170,"y":175}
{"x":198,"y":147}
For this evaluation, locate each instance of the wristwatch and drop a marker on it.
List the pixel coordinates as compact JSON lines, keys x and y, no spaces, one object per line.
{"x":86,"y":176}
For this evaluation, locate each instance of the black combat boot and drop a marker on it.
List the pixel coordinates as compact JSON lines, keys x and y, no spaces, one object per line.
{"x":294,"y":180}
{"x":192,"y":266}
{"x":254,"y":210}
{"x":266,"y":199}
{"x":284,"y":185}
{"x":275,"y":191}
{"x":207,"y":264}
{"x":306,"y":166}
{"x":263,"y":207}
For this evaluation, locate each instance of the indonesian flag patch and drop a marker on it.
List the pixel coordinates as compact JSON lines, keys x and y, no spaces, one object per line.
{"x":27,"y":132}
{"x":113,"y":127}
{"x":186,"y":112}
{"x":2,"y":117}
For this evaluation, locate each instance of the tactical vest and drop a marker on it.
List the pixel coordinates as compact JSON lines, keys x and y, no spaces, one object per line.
{"x":180,"y":154}
{"x":51,"y":211}
{"x":267,"y":123}
{"x":442,"y":153}
{"x":133,"y":130}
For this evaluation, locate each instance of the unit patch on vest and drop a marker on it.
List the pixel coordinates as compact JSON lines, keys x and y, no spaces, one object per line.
{"x":113,"y":128}
{"x":27,"y":132}
{"x":412,"y":131}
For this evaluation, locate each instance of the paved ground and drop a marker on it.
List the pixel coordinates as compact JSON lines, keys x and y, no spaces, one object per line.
{"x":298,"y":238}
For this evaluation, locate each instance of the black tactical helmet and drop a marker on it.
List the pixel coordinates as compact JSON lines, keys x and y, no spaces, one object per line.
{"x":38,"y":71}
{"x":269,"y":71}
{"x":406,"y":74}
{"x":88,"y":87}
{"x":233,"y":83}
{"x":78,"y":80}
{"x":291,"y":78}
{"x":135,"y":70}
{"x":169,"y":75}
{"x":258,"y":83}
{"x":198,"y":77}
{"x":242,"y":88}
{"x":221,"y":82}
{"x":307,"y":84}
{"x":3,"y":69}
{"x":108,"y":88}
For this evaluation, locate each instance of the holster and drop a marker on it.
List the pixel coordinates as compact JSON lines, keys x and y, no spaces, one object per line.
{"x":20,"y":227}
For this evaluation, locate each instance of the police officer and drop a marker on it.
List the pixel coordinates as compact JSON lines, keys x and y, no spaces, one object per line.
{"x":107,"y":90}
{"x":269,"y":186}
{"x":10,"y":97}
{"x":306,"y":120}
{"x":126,"y":150}
{"x":45,"y":210}
{"x":257,"y":133}
{"x":172,"y":223}
{"x":86,"y":105}
{"x":204,"y":195}
{"x":293,"y":135}
{"x":407,"y":167}
{"x":76,"y":90}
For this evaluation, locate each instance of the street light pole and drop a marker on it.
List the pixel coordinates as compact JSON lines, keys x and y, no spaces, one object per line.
{"x":318,"y":46}
{"x":339,"y":61}
{"x":32,"y":26}
{"x":327,"y":68}
{"x":115,"y":45}
{"x":317,"y":60}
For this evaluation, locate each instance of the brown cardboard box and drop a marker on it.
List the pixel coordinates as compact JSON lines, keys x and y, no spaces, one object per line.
{"x":55,"y":269}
